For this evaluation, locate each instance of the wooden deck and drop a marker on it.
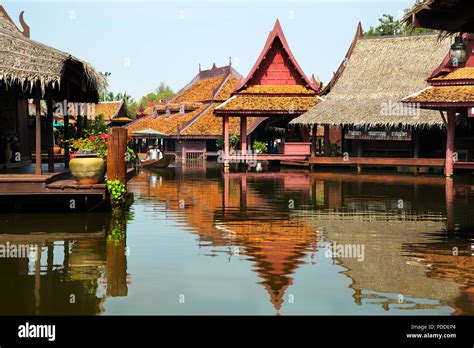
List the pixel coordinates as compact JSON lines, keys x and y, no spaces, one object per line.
{"x":55,"y":183}
{"x":464,"y":165}
{"x":378,"y":162}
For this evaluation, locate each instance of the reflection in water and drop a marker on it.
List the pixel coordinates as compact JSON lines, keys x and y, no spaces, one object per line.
{"x":259,"y":245}
{"x":63,"y":273}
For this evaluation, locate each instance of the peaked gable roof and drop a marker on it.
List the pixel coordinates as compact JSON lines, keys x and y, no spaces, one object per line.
{"x":379,"y":72}
{"x":206,"y":85}
{"x":275,"y":37}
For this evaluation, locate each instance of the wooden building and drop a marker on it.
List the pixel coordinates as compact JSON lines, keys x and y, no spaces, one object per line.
{"x":451,"y":90}
{"x":363,"y":100}
{"x":275,"y":91}
{"x":187,"y":119}
{"x":31,"y":70}
{"x":115,"y":113}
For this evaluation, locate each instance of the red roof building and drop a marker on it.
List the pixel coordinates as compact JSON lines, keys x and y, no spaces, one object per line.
{"x":451,"y":91}
{"x":276,"y":90}
{"x":187,"y":119}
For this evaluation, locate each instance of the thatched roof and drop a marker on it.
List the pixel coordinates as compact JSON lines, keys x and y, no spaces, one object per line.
{"x":373,"y":79}
{"x":29,"y":63}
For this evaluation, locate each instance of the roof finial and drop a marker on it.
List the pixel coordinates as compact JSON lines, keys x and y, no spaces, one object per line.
{"x":230,"y":61}
{"x":199,"y":67}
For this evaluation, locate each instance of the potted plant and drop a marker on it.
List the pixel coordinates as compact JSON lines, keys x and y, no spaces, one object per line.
{"x":259,"y":147}
{"x":87,"y":163}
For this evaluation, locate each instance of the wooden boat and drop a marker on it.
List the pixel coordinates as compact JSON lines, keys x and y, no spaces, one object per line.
{"x":161,"y":163}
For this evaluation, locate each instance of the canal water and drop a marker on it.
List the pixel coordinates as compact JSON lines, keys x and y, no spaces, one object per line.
{"x":198,"y":241}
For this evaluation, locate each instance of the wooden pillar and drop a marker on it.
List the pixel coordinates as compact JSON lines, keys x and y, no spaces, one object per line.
{"x":66,"y":137}
{"x":450,"y":130}
{"x":243,"y":134}
{"x":343,"y":140}
{"x":327,"y":145}
{"x":225,"y":134}
{"x":117,"y":146}
{"x":50,"y":135}
{"x":38,"y":132}
{"x":79,"y":122}
{"x":314,"y":137}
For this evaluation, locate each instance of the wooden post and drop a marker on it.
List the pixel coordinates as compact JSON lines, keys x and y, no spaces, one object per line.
{"x":225,"y":134}
{"x":314,"y":137}
{"x":450,"y":130}
{"x":79,"y":122}
{"x":66,"y":137}
{"x":416,"y":148}
{"x":38,"y":170}
{"x":117,"y":146}
{"x":243,"y":134}
{"x":327,"y":145}
{"x":50,"y":134}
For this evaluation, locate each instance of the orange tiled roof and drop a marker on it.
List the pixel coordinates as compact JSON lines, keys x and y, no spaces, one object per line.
{"x":108,"y":109}
{"x":210,"y":125}
{"x":199,"y":91}
{"x":226,"y":90}
{"x":269,"y":104}
{"x":168,"y":124}
{"x":278,"y":89}
{"x":176,"y":106}
{"x":443,"y":94}
{"x":458,"y":74}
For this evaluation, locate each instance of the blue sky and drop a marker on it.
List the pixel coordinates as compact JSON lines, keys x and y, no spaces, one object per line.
{"x":145,"y":42}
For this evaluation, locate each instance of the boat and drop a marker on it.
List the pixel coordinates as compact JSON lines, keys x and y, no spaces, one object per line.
{"x":157,"y":163}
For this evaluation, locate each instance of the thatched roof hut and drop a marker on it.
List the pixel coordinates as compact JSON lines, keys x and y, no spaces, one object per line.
{"x":30,"y":64}
{"x":375,"y":75}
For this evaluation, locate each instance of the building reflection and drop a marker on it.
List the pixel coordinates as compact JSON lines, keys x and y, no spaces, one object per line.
{"x":67,"y":273}
{"x":281,"y":220}
{"x":409,"y":238}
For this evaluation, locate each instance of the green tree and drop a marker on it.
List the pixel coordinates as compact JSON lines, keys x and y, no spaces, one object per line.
{"x":162,"y":92}
{"x":388,"y":25}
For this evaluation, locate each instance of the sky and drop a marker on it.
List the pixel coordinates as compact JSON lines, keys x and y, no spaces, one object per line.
{"x":142,"y":43}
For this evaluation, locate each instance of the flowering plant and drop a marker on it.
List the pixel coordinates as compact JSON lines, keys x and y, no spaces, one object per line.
{"x":93,"y":143}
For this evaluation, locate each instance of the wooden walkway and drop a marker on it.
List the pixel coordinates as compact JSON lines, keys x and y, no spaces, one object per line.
{"x":378,"y":162}
{"x":46,"y":184}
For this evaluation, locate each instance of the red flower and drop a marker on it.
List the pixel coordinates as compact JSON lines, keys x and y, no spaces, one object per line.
{"x":104,"y":136}
{"x":72,"y":156}
{"x":91,"y":138}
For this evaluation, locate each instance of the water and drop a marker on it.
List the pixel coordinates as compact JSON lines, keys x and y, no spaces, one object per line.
{"x":197,"y":241}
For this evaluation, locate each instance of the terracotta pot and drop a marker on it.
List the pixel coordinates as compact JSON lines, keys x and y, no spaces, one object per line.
{"x":87,"y":170}
{"x":56,"y":150}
